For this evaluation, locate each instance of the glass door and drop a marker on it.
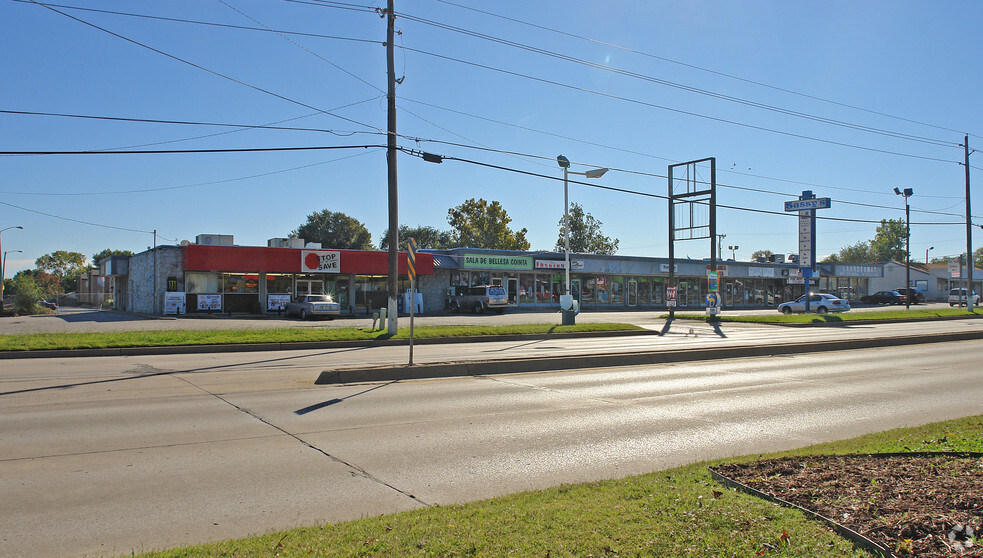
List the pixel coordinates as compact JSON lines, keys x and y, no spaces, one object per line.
{"x":310,"y":286}
{"x":632,"y":293}
{"x":513,"y":290}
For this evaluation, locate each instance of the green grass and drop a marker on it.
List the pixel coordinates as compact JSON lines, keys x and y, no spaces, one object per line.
{"x":840,"y":317}
{"x":678,"y":512}
{"x":47,"y":341}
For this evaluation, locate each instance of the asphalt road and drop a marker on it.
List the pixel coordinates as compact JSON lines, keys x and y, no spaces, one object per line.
{"x":109,"y":455}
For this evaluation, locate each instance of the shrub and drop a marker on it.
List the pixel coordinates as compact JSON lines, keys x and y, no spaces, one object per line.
{"x":28,"y":293}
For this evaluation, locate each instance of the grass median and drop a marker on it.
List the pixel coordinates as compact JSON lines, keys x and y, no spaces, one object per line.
{"x":63,"y":341}
{"x":840,"y":317}
{"x":677,"y":512}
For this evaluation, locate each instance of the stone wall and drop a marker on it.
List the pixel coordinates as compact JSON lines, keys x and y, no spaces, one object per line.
{"x":140,"y":281}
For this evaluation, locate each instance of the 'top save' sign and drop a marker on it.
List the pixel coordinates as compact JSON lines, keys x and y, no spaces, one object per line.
{"x":320,"y":261}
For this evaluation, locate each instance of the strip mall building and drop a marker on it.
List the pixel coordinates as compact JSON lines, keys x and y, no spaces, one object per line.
{"x":214,"y":275}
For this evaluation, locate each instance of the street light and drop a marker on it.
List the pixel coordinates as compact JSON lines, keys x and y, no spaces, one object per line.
{"x":926,"y":254}
{"x":2,"y":266}
{"x":907,"y":244}
{"x":733,"y":252}
{"x":566,"y":300}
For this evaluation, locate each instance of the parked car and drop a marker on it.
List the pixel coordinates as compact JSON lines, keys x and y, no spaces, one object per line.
{"x":958,"y":296}
{"x":884,"y":297}
{"x":820,"y":303}
{"x":313,"y":306}
{"x":917,"y":296}
{"x":480,"y":298}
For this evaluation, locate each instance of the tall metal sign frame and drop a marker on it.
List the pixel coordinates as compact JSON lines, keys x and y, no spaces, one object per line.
{"x":689,"y":192}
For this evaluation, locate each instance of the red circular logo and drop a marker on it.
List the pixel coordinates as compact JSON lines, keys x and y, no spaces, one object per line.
{"x":312,"y":261}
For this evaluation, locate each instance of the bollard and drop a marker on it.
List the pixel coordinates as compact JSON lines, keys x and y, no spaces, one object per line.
{"x":382,"y":317}
{"x":375,"y":318}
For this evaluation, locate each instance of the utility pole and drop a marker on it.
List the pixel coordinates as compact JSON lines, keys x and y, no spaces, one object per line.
{"x":969,"y":232}
{"x":720,"y":246}
{"x":393,"y":285}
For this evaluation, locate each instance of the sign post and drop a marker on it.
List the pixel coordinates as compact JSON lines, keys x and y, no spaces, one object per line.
{"x":411,"y":270}
{"x":713,"y":293}
{"x":806,"y":206}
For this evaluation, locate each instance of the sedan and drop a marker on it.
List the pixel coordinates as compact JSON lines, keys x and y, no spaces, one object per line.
{"x":818,"y":302}
{"x":310,"y":306}
{"x":884,"y":297}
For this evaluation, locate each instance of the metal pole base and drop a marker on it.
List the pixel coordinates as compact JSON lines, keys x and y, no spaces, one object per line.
{"x":569,"y":317}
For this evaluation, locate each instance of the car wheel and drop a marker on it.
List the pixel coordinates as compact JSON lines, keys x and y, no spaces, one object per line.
{"x":478,"y":308}
{"x":455,"y":308}
{"x":951,"y":305}
{"x":303,"y":314}
{"x":786,"y":310}
{"x":822,"y":310}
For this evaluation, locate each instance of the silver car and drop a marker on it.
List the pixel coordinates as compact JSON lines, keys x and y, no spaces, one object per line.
{"x":311,"y":306}
{"x":820,"y":303}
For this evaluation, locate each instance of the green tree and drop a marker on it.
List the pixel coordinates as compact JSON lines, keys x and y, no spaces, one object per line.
{"x":978,"y":257}
{"x":479,"y":224}
{"x":763,"y":254}
{"x":585,"y":234}
{"x":49,"y":284}
{"x":889,"y":241}
{"x":108,"y":252}
{"x":27,"y":293}
{"x":334,"y":229}
{"x":426,"y":237}
{"x":855,"y":253}
{"x":66,"y":266}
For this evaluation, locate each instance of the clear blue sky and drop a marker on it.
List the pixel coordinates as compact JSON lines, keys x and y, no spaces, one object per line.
{"x":619,"y":92}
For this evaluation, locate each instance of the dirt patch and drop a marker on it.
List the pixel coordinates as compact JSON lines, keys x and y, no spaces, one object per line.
{"x":926,"y":506}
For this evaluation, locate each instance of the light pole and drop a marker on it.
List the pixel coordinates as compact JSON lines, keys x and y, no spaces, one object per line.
{"x":2,"y":266}
{"x":566,"y":300}
{"x":926,"y":254}
{"x":907,"y":244}
{"x":733,"y":252}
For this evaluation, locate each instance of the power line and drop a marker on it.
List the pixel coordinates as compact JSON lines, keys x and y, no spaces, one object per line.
{"x":700,"y":68}
{"x":192,"y":151}
{"x":202,"y":68}
{"x":670,"y":109}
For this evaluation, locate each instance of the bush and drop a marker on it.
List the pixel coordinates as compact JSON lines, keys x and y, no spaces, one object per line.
{"x":28,"y":293}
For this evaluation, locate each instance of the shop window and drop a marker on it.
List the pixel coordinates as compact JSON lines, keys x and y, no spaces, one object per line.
{"x":278,"y":284}
{"x":239,"y":283}
{"x":202,"y":282}
{"x":588,"y":290}
{"x":658,"y":291}
{"x":617,"y":288}
{"x":527,"y":288}
{"x":602,"y":290}
{"x":644,"y":290}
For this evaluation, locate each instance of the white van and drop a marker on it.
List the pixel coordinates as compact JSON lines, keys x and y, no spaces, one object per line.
{"x":958,"y":296}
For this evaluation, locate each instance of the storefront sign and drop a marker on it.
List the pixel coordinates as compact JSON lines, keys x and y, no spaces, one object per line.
{"x":277,"y":302}
{"x":320,"y":261}
{"x":209,"y":302}
{"x":955,"y":269}
{"x":664,"y":268}
{"x":485,"y":261}
{"x":174,"y":303}
{"x":576,"y":265}
{"x":551,"y":264}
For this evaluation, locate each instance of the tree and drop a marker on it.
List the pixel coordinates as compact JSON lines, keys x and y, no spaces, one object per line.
{"x":49,"y":284}
{"x":762,"y":254}
{"x":978,"y":257}
{"x":334,"y":229}
{"x":107,"y":253}
{"x":426,"y":237}
{"x":889,"y":241}
{"x":479,"y":224}
{"x":856,"y":253}
{"x":27,"y":293}
{"x":66,"y":266}
{"x":585,"y":234}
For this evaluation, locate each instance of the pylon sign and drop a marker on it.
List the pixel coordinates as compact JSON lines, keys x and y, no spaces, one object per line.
{"x":806,"y":205}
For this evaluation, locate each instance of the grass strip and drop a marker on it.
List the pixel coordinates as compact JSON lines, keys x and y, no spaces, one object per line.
{"x":49,"y":341}
{"x":840,"y":317}
{"x":677,"y":512}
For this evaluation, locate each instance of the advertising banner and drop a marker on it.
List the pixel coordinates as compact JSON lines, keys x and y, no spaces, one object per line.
{"x":209,"y":302}
{"x":320,"y":261}
{"x":485,"y":261}
{"x":174,"y":303}
{"x":277,"y":302}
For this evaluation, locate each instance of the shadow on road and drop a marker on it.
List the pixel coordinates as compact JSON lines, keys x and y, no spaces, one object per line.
{"x":335,"y":401}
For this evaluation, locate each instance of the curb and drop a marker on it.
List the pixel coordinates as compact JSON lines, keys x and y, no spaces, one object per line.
{"x":556,"y":363}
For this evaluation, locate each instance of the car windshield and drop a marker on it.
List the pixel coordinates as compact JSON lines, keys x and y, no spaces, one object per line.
{"x":319,"y":298}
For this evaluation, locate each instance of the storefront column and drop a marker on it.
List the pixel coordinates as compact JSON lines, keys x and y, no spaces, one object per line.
{"x":263,"y":302}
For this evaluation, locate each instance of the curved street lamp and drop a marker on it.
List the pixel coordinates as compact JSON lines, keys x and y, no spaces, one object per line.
{"x":2,"y":262}
{"x":568,"y":314}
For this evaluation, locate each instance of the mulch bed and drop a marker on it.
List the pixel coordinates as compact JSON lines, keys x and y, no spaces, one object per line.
{"x":919,"y":505}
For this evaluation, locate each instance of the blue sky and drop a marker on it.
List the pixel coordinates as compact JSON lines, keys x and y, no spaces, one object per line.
{"x":786,"y":95}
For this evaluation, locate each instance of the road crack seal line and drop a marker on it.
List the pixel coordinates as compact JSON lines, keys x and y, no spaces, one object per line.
{"x":354,"y":468}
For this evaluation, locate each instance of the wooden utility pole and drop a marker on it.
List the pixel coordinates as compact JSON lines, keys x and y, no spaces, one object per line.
{"x":393,"y":285}
{"x":969,"y":232}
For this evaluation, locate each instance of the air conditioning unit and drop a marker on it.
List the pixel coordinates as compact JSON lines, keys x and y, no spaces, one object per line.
{"x":215,"y":240}
{"x":285,"y":242}
{"x":776,"y":258}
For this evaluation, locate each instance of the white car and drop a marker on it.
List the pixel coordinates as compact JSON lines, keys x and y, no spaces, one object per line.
{"x":820,"y":303}
{"x":958,"y":296}
{"x":310,"y":306}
